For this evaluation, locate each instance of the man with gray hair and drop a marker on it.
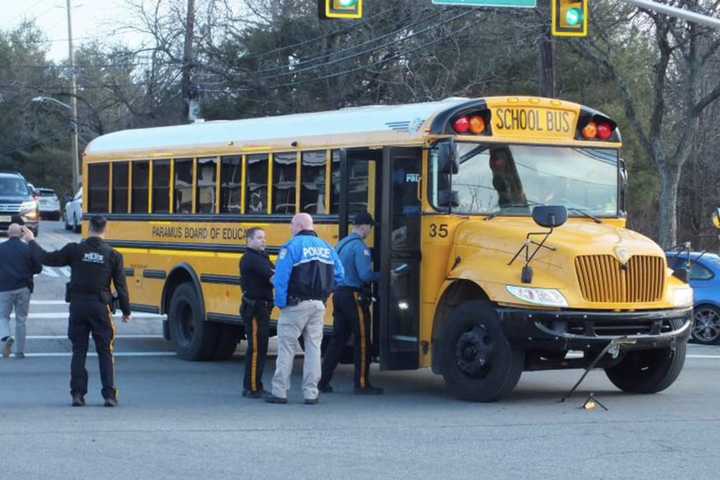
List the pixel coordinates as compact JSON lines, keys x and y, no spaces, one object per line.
{"x":17,"y":267}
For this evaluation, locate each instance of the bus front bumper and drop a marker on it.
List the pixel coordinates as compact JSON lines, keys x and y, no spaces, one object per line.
{"x":588,"y":330}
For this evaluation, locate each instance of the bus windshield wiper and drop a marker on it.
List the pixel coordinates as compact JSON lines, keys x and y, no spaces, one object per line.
{"x":584,"y":213}
{"x":509,"y":205}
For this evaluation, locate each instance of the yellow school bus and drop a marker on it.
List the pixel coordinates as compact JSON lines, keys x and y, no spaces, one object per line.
{"x":501,"y":238}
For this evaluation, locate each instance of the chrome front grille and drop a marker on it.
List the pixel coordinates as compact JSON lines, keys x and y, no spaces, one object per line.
{"x":10,"y":207}
{"x":604,"y":279}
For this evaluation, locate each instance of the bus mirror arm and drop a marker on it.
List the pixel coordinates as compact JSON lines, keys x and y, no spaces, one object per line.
{"x":526,"y":275}
{"x":547,"y":216}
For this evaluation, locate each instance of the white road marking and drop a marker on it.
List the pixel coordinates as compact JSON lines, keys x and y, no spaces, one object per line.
{"x":49,"y":272}
{"x":64,"y":337}
{"x":48,"y":302}
{"x":65,"y":314}
{"x":701,"y":356}
{"x":116,"y":354}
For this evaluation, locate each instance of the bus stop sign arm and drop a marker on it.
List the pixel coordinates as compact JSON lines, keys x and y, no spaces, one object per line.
{"x":677,"y":12}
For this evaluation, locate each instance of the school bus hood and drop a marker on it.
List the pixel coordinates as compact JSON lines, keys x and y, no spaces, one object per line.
{"x":482,"y":250}
{"x":504,"y":236}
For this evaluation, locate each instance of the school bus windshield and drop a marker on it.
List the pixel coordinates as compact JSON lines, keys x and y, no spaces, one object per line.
{"x":511,"y":179}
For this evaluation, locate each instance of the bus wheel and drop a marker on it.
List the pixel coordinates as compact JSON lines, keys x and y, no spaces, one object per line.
{"x":648,"y":371}
{"x":477,"y":361}
{"x":228,"y":338}
{"x":195,"y":338}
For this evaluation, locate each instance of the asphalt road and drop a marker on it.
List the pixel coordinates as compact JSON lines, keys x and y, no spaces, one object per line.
{"x":180,"y":419}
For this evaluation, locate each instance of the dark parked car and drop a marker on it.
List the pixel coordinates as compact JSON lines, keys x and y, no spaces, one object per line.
{"x":704,"y":277}
{"x":17,"y":203}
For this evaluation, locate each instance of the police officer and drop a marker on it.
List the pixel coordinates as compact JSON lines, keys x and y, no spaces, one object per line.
{"x":306,"y":273}
{"x":256,"y":270}
{"x":351,"y":312}
{"x":94,"y":265}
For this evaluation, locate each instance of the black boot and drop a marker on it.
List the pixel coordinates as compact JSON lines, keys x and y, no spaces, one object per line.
{"x":78,"y":400}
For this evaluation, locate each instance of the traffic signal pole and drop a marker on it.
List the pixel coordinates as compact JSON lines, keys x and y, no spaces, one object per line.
{"x":677,"y":12}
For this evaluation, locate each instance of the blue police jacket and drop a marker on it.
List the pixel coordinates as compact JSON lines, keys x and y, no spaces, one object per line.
{"x":307,"y":268}
{"x":357,"y":262}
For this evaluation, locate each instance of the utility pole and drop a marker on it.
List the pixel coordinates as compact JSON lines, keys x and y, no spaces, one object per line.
{"x":547,"y":55}
{"x":189,"y":91}
{"x":73,"y":74}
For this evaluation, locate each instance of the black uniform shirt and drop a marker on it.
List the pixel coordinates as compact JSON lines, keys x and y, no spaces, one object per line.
{"x":94,"y":264}
{"x":255,"y":272}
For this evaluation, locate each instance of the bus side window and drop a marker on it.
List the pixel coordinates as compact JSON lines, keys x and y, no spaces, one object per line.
{"x":231,"y":176}
{"x":359,"y":185}
{"x":140,"y":174}
{"x":183,"y":185}
{"x":99,"y":181}
{"x":312,"y":187}
{"x":161,"y":186}
{"x":284,"y":178}
{"x":256,"y":187}
{"x":120,"y":176}
{"x":206,"y":185}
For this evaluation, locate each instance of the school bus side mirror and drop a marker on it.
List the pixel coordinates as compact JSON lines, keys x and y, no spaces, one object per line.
{"x":448,"y":198}
{"x":550,"y":216}
{"x":447,"y":158}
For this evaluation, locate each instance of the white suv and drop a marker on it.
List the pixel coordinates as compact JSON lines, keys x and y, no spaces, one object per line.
{"x":73,"y":212}
{"x":49,"y":204}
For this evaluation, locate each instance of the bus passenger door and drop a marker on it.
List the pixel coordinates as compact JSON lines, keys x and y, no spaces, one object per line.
{"x":398,"y":239}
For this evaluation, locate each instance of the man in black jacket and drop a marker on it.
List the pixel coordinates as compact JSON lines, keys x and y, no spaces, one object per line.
{"x":256,"y":271}
{"x":94,"y":265}
{"x":17,"y":267}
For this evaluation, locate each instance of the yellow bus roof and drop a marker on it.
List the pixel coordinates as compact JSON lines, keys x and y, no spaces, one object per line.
{"x":356,"y":126}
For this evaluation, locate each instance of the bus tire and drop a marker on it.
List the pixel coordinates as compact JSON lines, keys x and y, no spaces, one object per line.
{"x":228,"y":338}
{"x":648,"y":371}
{"x":476,"y":359}
{"x":195,"y":338}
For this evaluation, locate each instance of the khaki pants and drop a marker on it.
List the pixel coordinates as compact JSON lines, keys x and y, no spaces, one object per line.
{"x":306,"y":319}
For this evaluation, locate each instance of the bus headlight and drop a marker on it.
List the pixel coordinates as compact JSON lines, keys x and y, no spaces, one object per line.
{"x":682,"y":297}
{"x":548,"y":297}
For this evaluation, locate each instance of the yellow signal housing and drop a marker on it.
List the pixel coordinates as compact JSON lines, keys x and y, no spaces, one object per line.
{"x":570,"y":18}
{"x":340,"y":9}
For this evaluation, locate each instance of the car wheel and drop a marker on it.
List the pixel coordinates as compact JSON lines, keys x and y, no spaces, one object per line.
{"x":477,"y":361}
{"x":706,"y":329}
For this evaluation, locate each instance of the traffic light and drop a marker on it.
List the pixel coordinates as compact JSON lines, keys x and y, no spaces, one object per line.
{"x":570,"y":18}
{"x":343,"y":9}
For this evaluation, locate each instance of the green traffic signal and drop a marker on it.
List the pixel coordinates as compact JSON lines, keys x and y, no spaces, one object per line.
{"x":569,"y":18}
{"x":574,"y":16}
{"x":340,"y":9}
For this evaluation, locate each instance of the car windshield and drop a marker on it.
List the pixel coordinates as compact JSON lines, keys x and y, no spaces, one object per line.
{"x":13,"y":186}
{"x":511,"y":179}
{"x":46,"y":193}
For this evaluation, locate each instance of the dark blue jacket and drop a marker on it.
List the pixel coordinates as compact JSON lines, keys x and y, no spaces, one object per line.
{"x":17,"y":265}
{"x":357,"y":262}
{"x":307,"y":268}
